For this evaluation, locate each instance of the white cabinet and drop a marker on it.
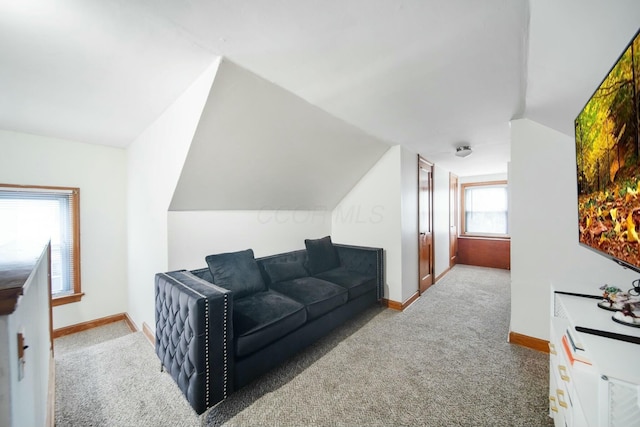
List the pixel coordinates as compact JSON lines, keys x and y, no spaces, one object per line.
{"x":25,"y":337}
{"x":594,"y":367}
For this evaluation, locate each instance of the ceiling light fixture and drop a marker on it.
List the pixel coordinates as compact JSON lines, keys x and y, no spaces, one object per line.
{"x":463,"y":151}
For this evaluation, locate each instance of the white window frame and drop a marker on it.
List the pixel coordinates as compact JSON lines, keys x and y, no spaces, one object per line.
{"x":463,"y":210}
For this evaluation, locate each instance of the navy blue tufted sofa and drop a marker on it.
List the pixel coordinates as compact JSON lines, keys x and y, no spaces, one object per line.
{"x":219,"y":328}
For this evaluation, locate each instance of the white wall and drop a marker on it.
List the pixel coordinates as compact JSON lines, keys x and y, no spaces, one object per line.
{"x":100,"y":173}
{"x":409,"y":222}
{"x":370,"y":216}
{"x":154,"y":162}
{"x":199,"y":159}
{"x":440,"y":220}
{"x":544,"y":229}
{"x":6,"y":364}
{"x":483,"y":178}
{"x":381,"y":211}
{"x":196,"y":234}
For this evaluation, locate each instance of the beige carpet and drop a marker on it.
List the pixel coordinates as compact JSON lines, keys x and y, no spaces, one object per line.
{"x":84,"y":339}
{"x":442,"y":362}
{"x":118,"y":383}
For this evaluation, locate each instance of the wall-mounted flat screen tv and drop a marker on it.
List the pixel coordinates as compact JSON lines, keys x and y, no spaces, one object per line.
{"x":608,"y":162}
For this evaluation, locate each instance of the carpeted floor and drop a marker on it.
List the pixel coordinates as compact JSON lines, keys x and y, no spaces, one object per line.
{"x":84,"y":339}
{"x":118,"y":383}
{"x":444,"y":361}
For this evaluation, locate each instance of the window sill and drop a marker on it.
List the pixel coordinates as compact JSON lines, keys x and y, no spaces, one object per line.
{"x":66,"y":299}
{"x":479,"y":236}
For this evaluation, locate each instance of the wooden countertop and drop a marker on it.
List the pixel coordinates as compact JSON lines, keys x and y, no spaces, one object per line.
{"x":17,"y":261}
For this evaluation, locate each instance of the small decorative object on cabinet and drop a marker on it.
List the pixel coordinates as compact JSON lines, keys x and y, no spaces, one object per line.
{"x":594,"y":365}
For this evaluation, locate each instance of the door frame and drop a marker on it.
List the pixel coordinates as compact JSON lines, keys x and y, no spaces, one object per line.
{"x":422,"y":160}
{"x":454,"y":217}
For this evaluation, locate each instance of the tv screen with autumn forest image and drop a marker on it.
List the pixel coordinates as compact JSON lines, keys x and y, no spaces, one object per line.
{"x":607,"y":160}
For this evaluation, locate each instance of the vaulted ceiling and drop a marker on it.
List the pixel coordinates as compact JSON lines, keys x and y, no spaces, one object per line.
{"x":429,"y":75}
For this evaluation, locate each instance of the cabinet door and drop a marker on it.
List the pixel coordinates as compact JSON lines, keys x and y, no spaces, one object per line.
{"x":623,"y":400}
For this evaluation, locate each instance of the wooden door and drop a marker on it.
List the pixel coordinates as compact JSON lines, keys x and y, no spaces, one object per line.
{"x":453,"y":219}
{"x":425,"y":222}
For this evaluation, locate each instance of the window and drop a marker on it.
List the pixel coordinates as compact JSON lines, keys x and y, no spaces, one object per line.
{"x":485,"y":209}
{"x":29,"y":213}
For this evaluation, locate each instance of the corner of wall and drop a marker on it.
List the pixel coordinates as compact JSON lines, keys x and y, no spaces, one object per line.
{"x":154,"y":163}
{"x":370,"y":215}
{"x":409,"y":223}
{"x":545,"y":250}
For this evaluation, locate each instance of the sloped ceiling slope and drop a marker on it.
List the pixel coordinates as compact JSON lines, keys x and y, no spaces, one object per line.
{"x":427,"y":74}
{"x":572,"y":46}
{"x":260,"y":147}
{"x":96,"y":71}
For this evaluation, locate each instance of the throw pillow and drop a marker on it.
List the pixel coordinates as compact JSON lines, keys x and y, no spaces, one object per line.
{"x":321,"y":254}
{"x":283,"y":271}
{"x":236,"y":271}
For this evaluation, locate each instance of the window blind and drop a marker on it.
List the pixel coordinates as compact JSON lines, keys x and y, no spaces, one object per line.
{"x":38,"y":215}
{"x":486,"y":210}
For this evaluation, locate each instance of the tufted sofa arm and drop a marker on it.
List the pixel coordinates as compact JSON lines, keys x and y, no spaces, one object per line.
{"x":194,"y":336}
{"x":363,"y":260}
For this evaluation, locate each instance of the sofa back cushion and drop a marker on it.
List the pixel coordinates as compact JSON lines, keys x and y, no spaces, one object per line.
{"x":322,"y":256}
{"x":283,"y":271}
{"x":236,"y":271}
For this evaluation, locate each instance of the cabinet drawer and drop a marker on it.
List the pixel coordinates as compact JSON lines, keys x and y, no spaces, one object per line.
{"x":602,"y":386}
{"x":554,"y":409}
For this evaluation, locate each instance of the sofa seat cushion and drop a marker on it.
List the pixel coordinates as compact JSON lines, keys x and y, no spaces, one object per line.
{"x":263,"y":317}
{"x":318,"y":296}
{"x":356,"y":283}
